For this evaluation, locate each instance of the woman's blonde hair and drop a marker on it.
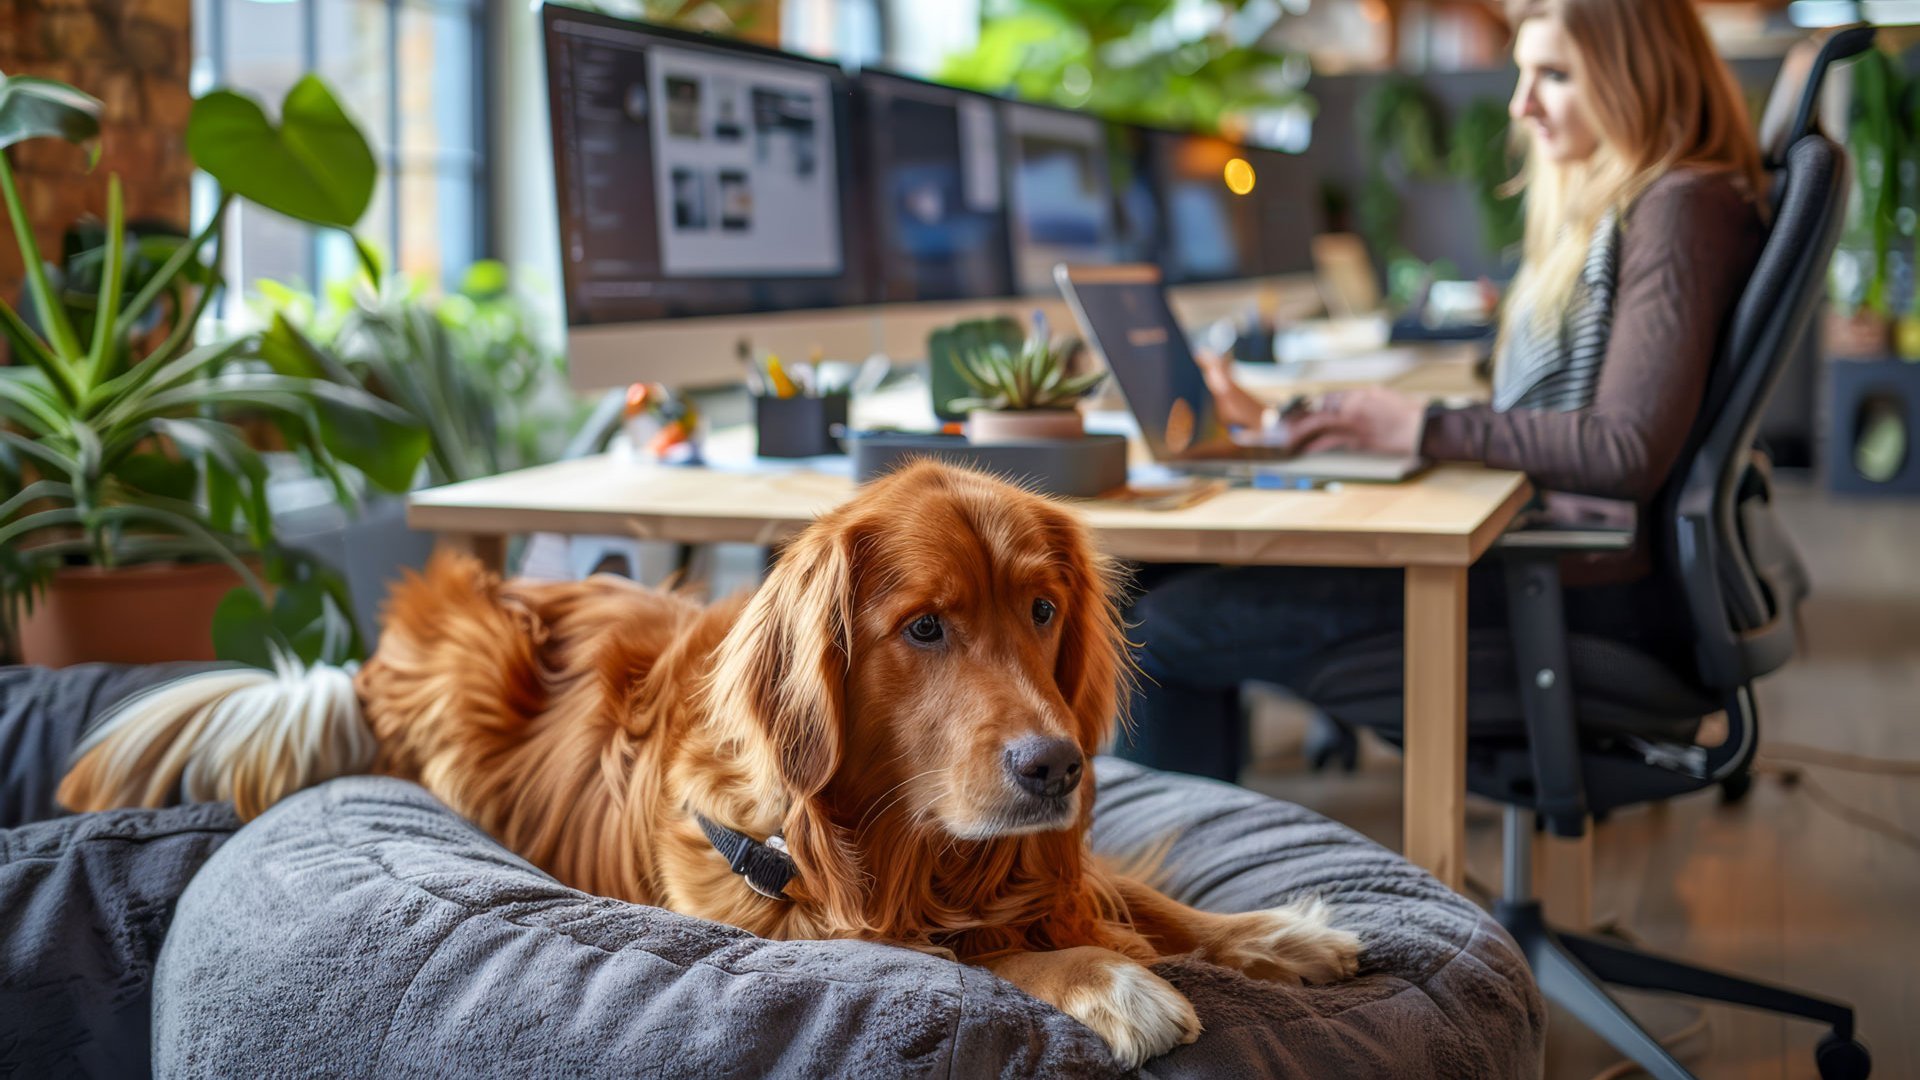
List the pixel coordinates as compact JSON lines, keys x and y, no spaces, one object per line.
{"x":1658,"y":97}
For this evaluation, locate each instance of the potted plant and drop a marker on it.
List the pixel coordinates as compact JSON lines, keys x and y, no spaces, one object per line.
{"x":1859,"y":324}
{"x":1024,"y":393}
{"x":136,"y":506}
{"x":947,"y":346}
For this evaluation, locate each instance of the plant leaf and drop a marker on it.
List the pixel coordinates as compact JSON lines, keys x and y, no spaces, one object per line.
{"x":41,"y":452}
{"x":371,"y":435}
{"x":485,"y":279}
{"x":307,"y":619}
{"x":100,"y":352}
{"x":26,"y":343}
{"x":236,"y":474}
{"x":290,"y":352}
{"x":181,"y":520}
{"x":316,"y":166}
{"x":134,"y":387}
{"x":36,"y":108}
{"x":159,"y":475}
{"x":39,"y":489}
{"x":36,"y":406}
{"x":45,"y":519}
{"x":242,"y":629}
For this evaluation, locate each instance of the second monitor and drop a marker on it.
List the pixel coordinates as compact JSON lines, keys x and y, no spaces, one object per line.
{"x":932,"y":168}
{"x":1060,"y":192}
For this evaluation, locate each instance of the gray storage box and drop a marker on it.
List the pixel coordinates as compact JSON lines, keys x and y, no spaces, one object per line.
{"x":1077,"y":468}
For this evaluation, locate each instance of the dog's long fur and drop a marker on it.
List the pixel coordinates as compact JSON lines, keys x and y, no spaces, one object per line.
{"x":583,"y":724}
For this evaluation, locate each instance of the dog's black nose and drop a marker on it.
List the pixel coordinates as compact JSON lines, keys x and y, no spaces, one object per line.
{"x":1042,"y":766}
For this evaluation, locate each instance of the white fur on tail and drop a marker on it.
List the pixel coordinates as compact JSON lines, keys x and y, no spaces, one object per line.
{"x":249,"y":736}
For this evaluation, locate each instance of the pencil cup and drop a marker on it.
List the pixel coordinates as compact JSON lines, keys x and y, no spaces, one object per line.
{"x":795,"y":427}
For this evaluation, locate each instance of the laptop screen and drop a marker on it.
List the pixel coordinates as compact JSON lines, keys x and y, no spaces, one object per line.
{"x":1123,"y":311}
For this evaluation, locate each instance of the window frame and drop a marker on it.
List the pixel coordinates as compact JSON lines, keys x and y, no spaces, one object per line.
{"x":481,"y":92}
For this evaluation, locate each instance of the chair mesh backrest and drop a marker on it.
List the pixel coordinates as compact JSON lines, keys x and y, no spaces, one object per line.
{"x":1730,"y":607}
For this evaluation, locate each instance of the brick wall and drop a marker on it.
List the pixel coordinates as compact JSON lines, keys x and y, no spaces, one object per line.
{"x":135,"y":56}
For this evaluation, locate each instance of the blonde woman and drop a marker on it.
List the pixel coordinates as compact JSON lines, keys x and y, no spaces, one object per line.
{"x":1642,"y":185}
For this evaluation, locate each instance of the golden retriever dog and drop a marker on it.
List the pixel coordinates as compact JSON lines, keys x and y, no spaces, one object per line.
{"x":888,"y":740}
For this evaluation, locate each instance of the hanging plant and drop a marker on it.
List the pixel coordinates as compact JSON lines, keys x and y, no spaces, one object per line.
{"x":1482,"y":156}
{"x":1160,"y":62}
{"x":1405,"y":134}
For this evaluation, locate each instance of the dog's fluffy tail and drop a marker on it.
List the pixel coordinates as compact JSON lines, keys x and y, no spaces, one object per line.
{"x":249,"y":736}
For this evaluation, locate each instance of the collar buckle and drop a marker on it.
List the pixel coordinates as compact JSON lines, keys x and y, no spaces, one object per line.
{"x":767,"y":867}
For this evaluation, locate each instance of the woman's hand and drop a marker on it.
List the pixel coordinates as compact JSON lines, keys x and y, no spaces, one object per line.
{"x":1370,"y":418}
{"x":1236,"y":407}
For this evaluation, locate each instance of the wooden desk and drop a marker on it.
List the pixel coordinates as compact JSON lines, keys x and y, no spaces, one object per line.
{"x":1433,"y":527}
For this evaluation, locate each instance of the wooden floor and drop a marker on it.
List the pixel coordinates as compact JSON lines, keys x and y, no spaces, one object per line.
{"x":1780,"y":887}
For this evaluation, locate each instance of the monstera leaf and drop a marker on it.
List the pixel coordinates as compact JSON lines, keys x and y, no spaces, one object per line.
{"x":315,"y":166}
{"x":34,"y":108}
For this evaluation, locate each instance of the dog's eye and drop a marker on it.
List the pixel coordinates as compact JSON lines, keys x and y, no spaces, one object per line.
{"x":926,"y":630}
{"x":1042,"y":612}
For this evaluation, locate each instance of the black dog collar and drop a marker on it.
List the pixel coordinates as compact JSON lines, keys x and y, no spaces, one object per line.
{"x":767,"y":867}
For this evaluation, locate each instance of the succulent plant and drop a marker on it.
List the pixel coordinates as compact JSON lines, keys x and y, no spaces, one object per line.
{"x":1032,"y":376}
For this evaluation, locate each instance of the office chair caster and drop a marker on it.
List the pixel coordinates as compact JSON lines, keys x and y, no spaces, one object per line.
{"x":1328,"y":739}
{"x":1842,"y":1059}
{"x":1734,"y":789}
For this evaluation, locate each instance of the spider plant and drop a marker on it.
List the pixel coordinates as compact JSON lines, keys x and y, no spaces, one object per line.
{"x":121,"y":437}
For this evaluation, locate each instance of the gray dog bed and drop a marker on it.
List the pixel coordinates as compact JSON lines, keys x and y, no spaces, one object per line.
{"x":362,"y":929}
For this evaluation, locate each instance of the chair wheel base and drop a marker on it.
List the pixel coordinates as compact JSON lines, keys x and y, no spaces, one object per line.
{"x":1842,"y":1059}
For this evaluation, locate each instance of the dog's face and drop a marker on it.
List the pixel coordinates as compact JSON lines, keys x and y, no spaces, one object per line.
{"x":945,"y":649}
{"x":972,"y":599}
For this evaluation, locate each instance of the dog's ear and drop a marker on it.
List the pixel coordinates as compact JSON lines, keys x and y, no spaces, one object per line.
{"x":1093,"y":658}
{"x":780,"y":682}
{"x":783,"y":666}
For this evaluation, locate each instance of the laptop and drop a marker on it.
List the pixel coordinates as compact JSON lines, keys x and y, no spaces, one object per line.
{"x":1123,"y":312}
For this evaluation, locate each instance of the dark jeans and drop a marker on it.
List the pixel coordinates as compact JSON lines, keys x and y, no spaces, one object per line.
{"x":1203,"y":631}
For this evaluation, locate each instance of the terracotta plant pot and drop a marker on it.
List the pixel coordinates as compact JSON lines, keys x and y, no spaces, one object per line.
{"x":126,"y":615}
{"x":1862,"y":335}
{"x":990,"y":426}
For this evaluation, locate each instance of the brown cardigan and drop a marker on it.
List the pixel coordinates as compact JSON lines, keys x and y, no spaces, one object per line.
{"x":1687,"y":246}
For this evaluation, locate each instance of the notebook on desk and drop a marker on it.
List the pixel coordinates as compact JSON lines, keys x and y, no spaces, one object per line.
{"x":1123,"y":312}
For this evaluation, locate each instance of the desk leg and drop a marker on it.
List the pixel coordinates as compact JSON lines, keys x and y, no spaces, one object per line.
{"x":1563,"y":879}
{"x":1436,"y":721}
{"x":489,"y":548}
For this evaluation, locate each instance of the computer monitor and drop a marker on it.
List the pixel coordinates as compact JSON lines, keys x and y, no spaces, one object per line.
{"x":1212,"y":220}
{"x":1058,"y":188}
{"x":1286,"y":198}
{"x":1139,"y":214}
{"x":933,"y":180}
{"x":696,"y":177}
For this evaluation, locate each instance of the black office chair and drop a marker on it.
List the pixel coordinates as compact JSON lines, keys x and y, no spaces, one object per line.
{"x":1567,"y":725}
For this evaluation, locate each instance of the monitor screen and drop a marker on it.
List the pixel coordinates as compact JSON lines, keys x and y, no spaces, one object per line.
{"x":1213,"y":221}
{"x":695,"y":177}
{"x":933,"y":174}
{"x":1139,"y":219}
{"x":1058,"y":183}
{"x":1286,"y":197}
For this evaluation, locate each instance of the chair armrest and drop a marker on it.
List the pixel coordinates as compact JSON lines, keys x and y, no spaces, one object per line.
{"x":1564,"y":541}
{"x":1537,"y":624}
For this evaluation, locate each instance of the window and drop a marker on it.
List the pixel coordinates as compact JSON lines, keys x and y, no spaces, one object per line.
{"x":412,"y":74}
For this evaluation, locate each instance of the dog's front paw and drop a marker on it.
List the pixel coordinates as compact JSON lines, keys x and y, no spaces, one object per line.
{"x":1137,"y":1013}
{"x":1293,"y":944}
